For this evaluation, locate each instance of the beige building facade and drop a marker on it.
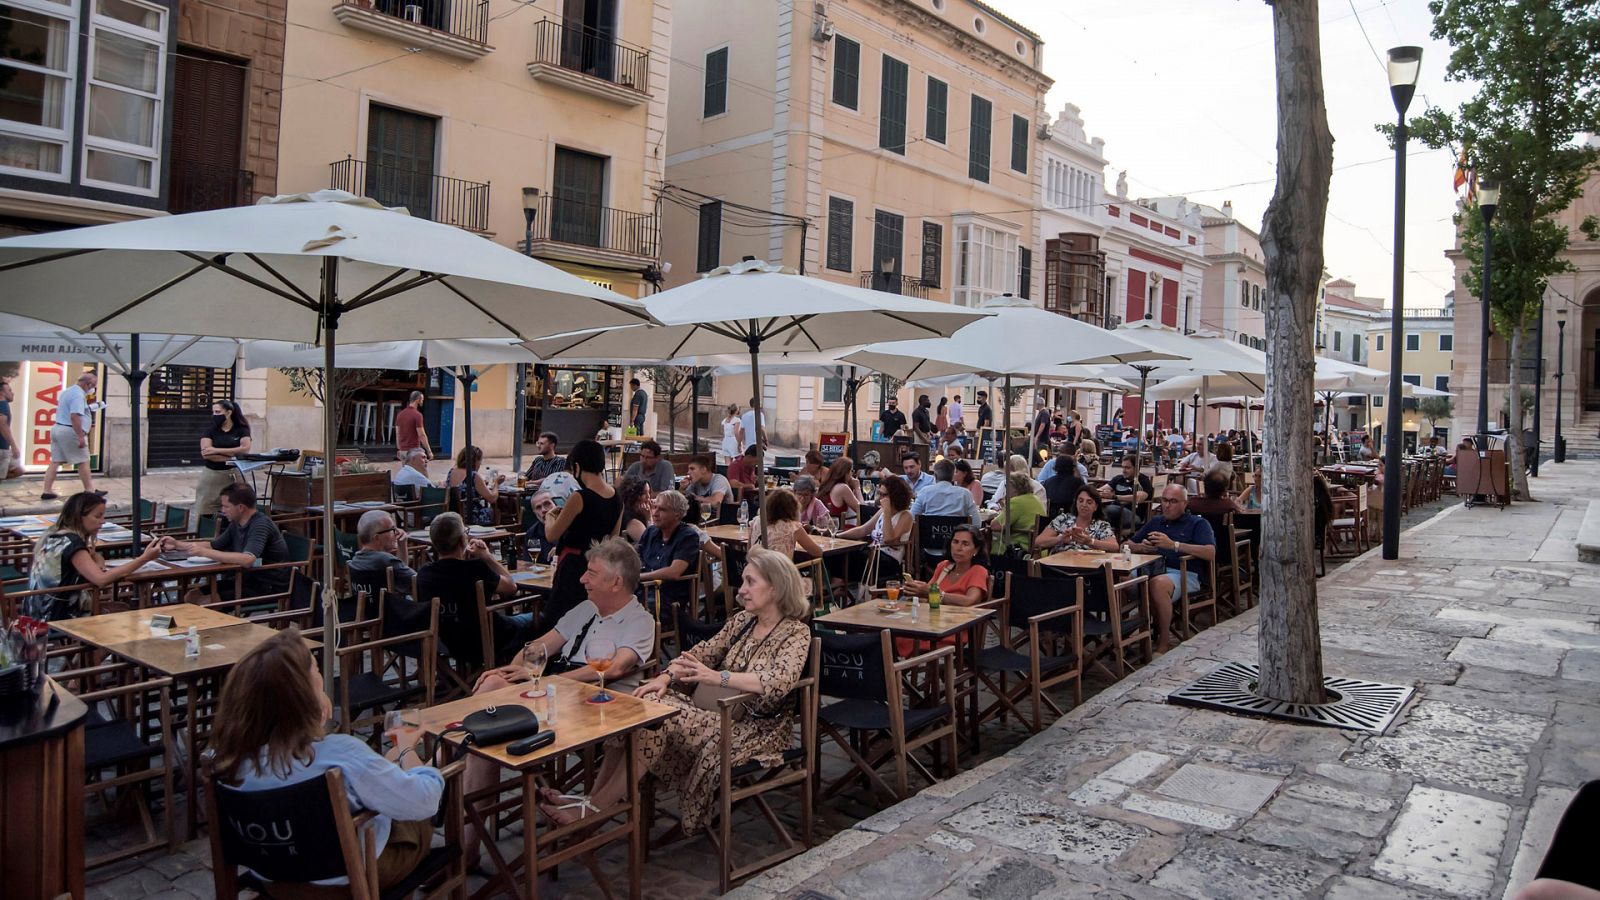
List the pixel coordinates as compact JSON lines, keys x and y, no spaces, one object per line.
{"x":471,"y":113}
{"x":887,"y":143}
{"x":1427,"y":359}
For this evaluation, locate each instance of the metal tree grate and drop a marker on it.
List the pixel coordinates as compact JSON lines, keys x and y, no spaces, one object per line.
{"x":1354,"y":704}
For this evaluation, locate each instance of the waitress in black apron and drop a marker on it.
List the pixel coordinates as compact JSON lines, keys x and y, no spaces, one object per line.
{"x":593,"y":512}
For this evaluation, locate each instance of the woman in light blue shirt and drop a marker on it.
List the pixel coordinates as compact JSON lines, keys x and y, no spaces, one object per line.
{"x":269,"y":734}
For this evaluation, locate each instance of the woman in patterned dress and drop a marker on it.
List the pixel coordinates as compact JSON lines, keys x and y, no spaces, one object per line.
{"x":1083,"y":528}
{"x":762,"y":651}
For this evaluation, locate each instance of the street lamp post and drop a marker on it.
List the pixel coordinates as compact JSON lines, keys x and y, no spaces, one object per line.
{"x":1405,"y":64}
{"x":1488,"y":200}
{"x":530,"y":208}
{"x":1561,"y":364}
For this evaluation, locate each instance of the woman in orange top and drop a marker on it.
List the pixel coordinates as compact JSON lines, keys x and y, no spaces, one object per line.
{"x":961,"y":581}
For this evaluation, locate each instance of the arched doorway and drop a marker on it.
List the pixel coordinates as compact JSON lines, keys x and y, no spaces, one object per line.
{"x":1589,"y":362}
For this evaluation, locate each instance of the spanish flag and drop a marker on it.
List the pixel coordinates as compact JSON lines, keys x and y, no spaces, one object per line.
{"x":1461,"y":170}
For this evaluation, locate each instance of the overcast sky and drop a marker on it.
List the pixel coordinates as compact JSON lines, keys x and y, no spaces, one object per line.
{"x":1183,"y":93}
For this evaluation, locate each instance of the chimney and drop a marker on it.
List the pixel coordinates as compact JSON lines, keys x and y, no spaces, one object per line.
{"x":1227,"y":208}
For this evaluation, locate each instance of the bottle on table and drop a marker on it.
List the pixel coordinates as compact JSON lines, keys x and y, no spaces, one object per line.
{"x":935,"y":597}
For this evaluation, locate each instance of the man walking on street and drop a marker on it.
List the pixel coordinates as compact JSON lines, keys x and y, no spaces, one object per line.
{"x":69,"y":439}
{"x":9,"y":462}
{"x":409,"y":431}
{"x":636,"y":405}
{"x":985,"y":414}
{"x":892,"y":418}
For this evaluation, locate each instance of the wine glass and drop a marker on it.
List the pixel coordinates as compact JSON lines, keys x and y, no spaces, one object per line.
{"x":598,"y":653}
{"x":396,"y":719}
{"x":535,"y":550}
{"x":534,"y":658}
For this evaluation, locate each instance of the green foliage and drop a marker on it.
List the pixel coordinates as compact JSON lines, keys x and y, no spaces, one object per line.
{"x":307,"y":381}
{"x":1435,"y":408}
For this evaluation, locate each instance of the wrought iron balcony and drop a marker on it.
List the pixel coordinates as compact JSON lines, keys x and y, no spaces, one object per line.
{"x":456,"y":27}
{"x":894,"y":284}
{"x":196,"y":186}
{"x":581,"y":231}
{"x":589,"y":61}
{"x":451,"y":201}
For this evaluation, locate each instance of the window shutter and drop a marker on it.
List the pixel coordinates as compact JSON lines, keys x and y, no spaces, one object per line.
{"x":1019,"y":144}
{"x":710,"y":253}
{"x":932,"y":254}
{"x":978,"y":135}
{"x":846,"y":72}
{"x":841,"y":218}
{"x":716,"y":99}
{"x":1025,"y":273}
{"x":938,"y":103}
{"x":892,"y":106}
{"x":888,"y":242}
{"x":400,"y":159}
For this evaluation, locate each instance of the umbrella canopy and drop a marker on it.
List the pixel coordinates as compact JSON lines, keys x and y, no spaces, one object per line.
{"x":1020,"y":339}
{"x":761,"y":309}
{"x":299,"y":267}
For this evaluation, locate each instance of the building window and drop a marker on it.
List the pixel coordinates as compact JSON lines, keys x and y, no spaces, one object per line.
{"x":1244,"y":294}
{"x":932,"y":254}
{"x":1244,"y":339}
{"x":710,"y":253}
{"x":1447,"y":343}
{"x":1441,"y":382}
{"x":938,"y":106}
{"x":127,"y":81}
{"x":1413,"y":342}
{"x":978,"y":139}
{"x":400,"y":150}
{"x":986,"y":263}
{"x":716,"y":100}
{"x":841,"y":233}
{"x":1377,"y":347}
{"x":38,"y":57}
{"x":1255,"y":296}
{"x":892,"y":106}
{"x":888,"y":250}
{"x":1355,"y":347}
{"x":1413,"y":380}
{"x":1336,"y":336}
{"x":833,"y":390}
{"x":1025,"y":273}
{"x":1019,"y":144}
{"x":846,"y":72}
{"x":1377,"y":401}
{"x":577,"y":210}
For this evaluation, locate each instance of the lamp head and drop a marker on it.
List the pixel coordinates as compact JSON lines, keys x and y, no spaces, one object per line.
{"x":1488,"y":197}
{"x":530,"y":198}
{"x":1405,"y":65}
{"x":887,"y":266}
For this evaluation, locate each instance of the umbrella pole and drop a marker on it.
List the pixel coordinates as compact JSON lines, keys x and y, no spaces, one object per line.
{"x":135,"y":378}
{"x":330,"y":605}
{"x":518,"y":418}
{"x":694,"y":411}
{"x":1005,"y":432}
{"x":1138,"y":432}
{"x":466,"y":377}
{"x":1033,"y":428}
{"x":754,"y":340}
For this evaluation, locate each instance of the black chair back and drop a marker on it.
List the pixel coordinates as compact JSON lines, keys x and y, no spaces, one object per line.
{"x":1031,"y":596}
{"x":1221,"y":527}
{"x":692,"y":631}
{"x":728,"y":514}
{"x":402,"y":615}
{"x":933,"y":534}
{"x":461,"y":627}
{"x":289,"y":833}
{"x":852,"y":667}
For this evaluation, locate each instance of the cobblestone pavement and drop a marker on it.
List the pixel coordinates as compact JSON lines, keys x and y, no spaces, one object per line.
{"x":1056,"y":764}
{"x":1487,"y":613}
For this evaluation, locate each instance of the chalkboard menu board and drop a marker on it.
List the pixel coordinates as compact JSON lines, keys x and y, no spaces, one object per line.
{"x":991,"y":445}
{"x":1104,"y":435}
{"x":831,"y":445}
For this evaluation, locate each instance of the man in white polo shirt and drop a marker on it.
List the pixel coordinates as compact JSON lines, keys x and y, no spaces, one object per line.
{"x":69,"y":439}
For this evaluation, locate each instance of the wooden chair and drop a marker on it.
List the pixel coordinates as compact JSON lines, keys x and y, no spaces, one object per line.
{"x":471,"y":648}
{"x":373,"y":674}
{"x":861,"y":670}
{"x":1244,"y":575}
{"x":1049,"y":613}
{"x":127,"y":747}
{"x":1187,"y":606}
{"x":1222,"y":567}
{"x":930,"y":542}
{"x":667,"y":622}
{"x":1347,"y":530}
{"x":1133,"y":626}
{"x":306,"y":831}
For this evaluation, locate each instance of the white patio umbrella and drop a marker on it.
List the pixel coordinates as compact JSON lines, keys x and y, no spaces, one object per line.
{"x":299,"y":267}
{"x":762,"y":309}
{"x":131,"y":356}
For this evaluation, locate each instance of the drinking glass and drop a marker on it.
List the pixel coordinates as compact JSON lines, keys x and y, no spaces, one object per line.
{"x":396,"y":719}
{"x":598,"y":653}
{"x":893,"y":588}
{"x":535,"y":549}
{"x":744,"y":518}
{"x":534,"y":658}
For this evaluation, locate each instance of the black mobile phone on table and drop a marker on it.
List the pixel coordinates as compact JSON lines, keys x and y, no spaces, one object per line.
{"x":529,"y":744}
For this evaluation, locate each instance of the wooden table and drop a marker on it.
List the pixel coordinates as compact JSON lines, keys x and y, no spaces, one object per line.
{"x":161,"y":571}
{"x":109,"y":629}
{"x":930,"y":626}
{"x":831,"y":546}
{"x":1094,"y":559}
{"x":578,"y":725}
{"x":112,"y":537}
{"x":535,"y":578}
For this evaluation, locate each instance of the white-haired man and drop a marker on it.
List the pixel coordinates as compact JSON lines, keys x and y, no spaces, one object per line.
{"x":69,"y":438}
{"x":414,"y":471}
{"x":377,"y":540}
{"x":1173,"y":534}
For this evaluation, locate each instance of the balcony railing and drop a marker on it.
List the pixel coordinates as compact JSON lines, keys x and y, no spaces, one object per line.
{"x":583,"y":50}
{"x":451,"y":201}
{"x":197,"y":186}
{"x":895,"y":284}
{"x":578,"y":223}
{"x":464,"y":19}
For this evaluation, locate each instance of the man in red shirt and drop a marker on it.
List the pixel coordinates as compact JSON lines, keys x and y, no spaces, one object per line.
{"x":409,"y":432}
{"x":742,"y":473}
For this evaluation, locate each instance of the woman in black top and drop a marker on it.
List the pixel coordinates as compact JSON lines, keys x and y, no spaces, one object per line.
{"x":228,"y":436}
{"x":591,"y":513}
{"x":636,"y":504}
{"x":473,"y":496}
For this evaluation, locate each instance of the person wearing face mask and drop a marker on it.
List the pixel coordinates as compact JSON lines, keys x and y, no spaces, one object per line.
{"x":228,"y":436}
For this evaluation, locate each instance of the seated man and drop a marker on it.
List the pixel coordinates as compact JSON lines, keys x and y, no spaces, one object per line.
{"x":911,"y":469}
{"x":669,"y":549}
{"x":707,"y":488}
{"x":651,"y":469}
{"x":377,"y":539}
{"x":1214,"y":498}
{"x":459,"y":566}
{"x":743,"y":472}
{"x":251,"y":539}
{"x":545,"y":461}
{"x":413,"y":473}
{"x":536,"y":547}
{"x":943,"y":498}
{"x":1173,"y":534}
{"x":1126,"y":493}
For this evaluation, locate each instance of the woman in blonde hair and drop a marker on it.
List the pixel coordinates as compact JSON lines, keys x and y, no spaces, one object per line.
{"x":732,"y":435}
{"x":762,"y":650}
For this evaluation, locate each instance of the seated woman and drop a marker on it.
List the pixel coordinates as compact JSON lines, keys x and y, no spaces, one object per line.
{"x":65,"y":556}
{"x":814,"y":465}
{"x":967,"y":478}
{"x":269,"y":734}
{"x":813,"y":512}
{"x":841,"y":493}
{"x":961,"y":581}
{"x":1084,"y":527}
{"x":636,"y":503}
{"x":761,"y":650}
{"x":1020,"y":510}
{"x":474,"y":497}
{"x":889,"y":528}
{"x":784,"y":533}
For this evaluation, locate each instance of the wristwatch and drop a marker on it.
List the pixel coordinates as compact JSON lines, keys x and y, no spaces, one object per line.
{"x":723,"y":677}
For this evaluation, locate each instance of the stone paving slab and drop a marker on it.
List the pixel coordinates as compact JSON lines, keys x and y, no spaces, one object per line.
{"x":1489,"y":620}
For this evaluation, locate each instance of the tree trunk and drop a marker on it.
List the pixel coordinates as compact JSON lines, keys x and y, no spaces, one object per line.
{"x":1289,"y":641}
{"x":1514,"y":453}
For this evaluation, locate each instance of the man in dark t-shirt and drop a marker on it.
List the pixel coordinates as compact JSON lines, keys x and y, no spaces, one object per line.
{"x":409,"y":430}
{"x":7,"y":443}
{"x":250,"y":539}
{"x":892,"y":418}
{"x":985,"y":412}
{"x":453,"y":579}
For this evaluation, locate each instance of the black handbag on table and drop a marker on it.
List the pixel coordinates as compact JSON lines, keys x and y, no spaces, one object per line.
{"x":498,"y":725}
